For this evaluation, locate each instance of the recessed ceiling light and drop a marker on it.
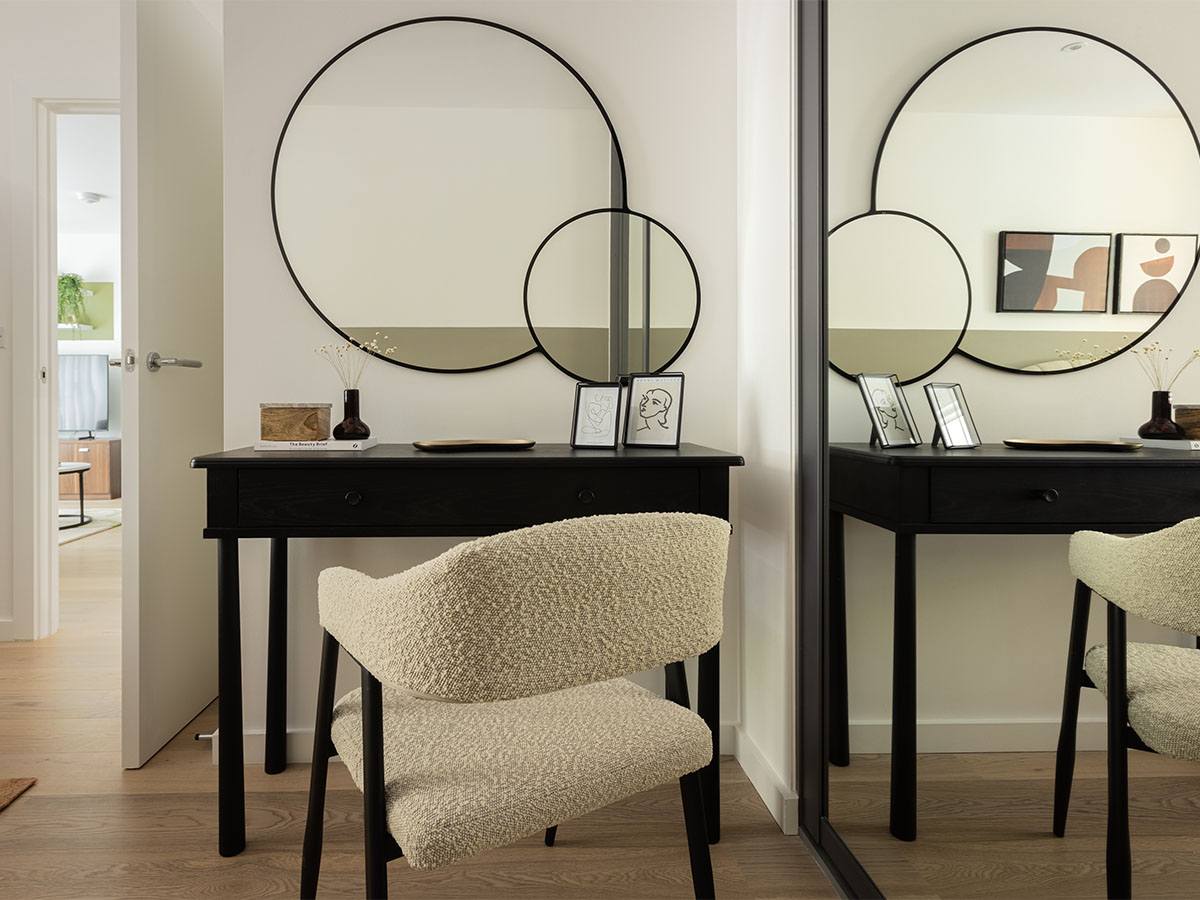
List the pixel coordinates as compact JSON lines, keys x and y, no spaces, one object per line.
{"x":90,"y":196}
{"x":1073,"y":46}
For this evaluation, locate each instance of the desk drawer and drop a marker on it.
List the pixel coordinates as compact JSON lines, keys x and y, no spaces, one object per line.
{"x":1082,"y":495}
{"x":382,"y":498}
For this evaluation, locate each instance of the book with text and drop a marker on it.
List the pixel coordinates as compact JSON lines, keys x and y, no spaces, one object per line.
{"x":1159,"y":444}
{"x":317,"y":446}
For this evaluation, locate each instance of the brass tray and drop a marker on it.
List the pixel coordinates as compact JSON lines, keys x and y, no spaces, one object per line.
{"x":467,"y":446}
{"x":1101,"y":446}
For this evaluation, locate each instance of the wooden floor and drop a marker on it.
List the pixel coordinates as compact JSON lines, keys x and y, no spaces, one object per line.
{"x":984,"y":819}
{"x":88,"y":829}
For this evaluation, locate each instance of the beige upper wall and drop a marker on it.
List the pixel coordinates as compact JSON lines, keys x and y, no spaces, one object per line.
{"x":48,"y":50}
{"x":993,"y":611}
{"x":665,"y":72}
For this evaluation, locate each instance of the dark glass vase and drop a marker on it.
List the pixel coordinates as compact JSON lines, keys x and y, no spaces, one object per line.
{"x":1161,"y":425}
{"x":352,"y":428}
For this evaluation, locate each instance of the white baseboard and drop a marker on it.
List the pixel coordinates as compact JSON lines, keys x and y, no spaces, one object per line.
{"x":781,"y":801}
{"x":977,"y":735}
{"x":6,"y":629}
{"x":299,"y":746}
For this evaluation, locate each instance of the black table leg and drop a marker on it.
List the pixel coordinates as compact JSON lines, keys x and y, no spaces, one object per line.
{"x":708,"y":705}
{"x":839,"y":701}
{"x":231,"y":800}
{"x":277,"y":629}
{"x":904,"y":692}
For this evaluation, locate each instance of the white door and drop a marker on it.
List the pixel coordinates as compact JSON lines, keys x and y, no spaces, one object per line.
{"x":171,"y":260}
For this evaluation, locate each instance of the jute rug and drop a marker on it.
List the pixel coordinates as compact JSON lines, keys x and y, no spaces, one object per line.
{"x":12,"y":788}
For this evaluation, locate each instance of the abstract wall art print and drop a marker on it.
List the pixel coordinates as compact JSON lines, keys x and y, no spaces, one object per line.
{"x":1151,"y":270}
{"x":1046,"y":272}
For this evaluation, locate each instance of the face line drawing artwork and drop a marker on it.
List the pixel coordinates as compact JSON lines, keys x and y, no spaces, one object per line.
{"x":653,"y":408}
{"x":888,"y":409}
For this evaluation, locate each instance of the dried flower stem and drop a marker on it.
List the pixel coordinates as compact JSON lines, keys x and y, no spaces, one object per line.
{"x":1155,"y":362}
{"x":350,"y":365}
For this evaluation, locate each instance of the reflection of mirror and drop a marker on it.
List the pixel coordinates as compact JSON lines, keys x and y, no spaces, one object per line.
{"x":612,"y":292}
{"x":1016,"y":132}
{"x":417,"y":174}
{"x":875,"y":262}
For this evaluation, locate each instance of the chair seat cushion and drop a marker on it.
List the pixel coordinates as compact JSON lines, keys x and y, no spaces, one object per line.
{"x":1162,"y":683}
{"x":461,"y":778}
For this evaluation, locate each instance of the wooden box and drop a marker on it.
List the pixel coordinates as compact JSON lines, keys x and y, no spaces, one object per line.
{"x":294,"y":421}
{"x":1188,"y":418}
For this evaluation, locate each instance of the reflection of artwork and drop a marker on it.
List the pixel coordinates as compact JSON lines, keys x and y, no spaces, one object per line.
{"x":1043,"y":272}
{"x":955,"y":427}
{"x":891,"y":420}
{"x":1151,"y":270}
{"x":655,"y":403}
{"x":596,"y":415}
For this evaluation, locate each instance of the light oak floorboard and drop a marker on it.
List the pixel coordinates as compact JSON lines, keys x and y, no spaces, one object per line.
{"x":983,"y":826}
{"x":91,"y":829}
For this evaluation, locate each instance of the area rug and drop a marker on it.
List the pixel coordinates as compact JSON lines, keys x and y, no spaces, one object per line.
{"x":12,"y":788}
{"x":102,"y":520}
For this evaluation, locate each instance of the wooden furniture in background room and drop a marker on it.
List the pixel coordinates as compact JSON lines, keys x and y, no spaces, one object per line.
{"x":992,"y":489}
{"x":395,"y":490}
{"x":103,"y":480}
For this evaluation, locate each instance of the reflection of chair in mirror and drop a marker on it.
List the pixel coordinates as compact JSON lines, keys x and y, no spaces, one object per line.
{"x":492,"y":705}
{"x":1152,"y":689}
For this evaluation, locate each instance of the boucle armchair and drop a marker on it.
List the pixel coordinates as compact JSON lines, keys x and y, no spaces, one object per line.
{"x":1151,"y":689}
{"x":492,"y":705}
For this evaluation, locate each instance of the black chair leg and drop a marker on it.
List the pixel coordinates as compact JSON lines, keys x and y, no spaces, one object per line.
{"x":1064,"y":759}
{"x":697,"y":835}
{"x":374,"y":815}
{"x":1118,"y":865}
{"x":550,"y":832}
{"x":310,"y":866}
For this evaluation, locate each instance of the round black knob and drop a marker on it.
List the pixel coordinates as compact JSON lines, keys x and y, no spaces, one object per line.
{"x":1050,"y":495}
{"x":354,"y":498}
{"x":586,"y":496}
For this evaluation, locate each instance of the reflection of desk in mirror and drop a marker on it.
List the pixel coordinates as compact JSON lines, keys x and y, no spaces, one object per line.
{"x":393,"y":490}
{"x":988,"y":490}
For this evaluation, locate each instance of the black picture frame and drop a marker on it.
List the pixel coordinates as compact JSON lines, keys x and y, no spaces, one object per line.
{"x":1001,"y":276}
{"x":888,"y":409}
{"x":608,"y":388}
{"x":1118,"y":286}
{"x":671,"y":415}
{"x":954,"y":426}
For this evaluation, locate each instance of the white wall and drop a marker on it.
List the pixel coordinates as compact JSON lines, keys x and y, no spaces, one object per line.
{"x":666,"y":74}
{"x":48,"y":50}
{"x":993,"y":611}
{"x":767,"y":426}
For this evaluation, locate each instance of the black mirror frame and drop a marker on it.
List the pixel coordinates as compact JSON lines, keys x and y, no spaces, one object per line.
{"x":619,"y":169}
{"x":874,"y":207}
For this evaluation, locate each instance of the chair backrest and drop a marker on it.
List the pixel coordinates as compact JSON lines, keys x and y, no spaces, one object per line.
{"x":539,"y":609}
{"x":1155,"y":576}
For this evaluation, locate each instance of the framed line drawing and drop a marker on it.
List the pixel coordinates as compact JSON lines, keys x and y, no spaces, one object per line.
{"x":954,"y":426}
{"x":596,"y":420}
{"x":1151,"y":270}
{"x":655,"y":410}
{"x":892,"y":422}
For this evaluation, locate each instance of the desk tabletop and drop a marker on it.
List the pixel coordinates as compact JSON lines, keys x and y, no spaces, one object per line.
{"x":549,"y":455}
{"x":926,"y":456}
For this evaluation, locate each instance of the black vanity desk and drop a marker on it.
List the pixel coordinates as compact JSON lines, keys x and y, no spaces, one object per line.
{"x":394,"y":490}
{"x":989,"y":490}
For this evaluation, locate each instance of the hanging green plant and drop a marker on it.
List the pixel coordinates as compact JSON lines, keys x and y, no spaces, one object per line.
{"x":70,"y":298}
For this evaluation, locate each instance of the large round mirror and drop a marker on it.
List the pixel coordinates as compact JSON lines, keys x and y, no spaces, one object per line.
{"x":1068,"y":178}
{"x":609,"y":292}
{"x":417,"y":174}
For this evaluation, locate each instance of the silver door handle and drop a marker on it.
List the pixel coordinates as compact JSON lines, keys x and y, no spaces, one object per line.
{"x":154,"y":362}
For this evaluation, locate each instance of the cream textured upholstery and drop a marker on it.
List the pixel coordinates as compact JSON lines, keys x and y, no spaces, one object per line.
{"x":1154,"y":576}
{"x":464,"y":778}
{"x":1163,"y":689}
{"x":538,"y":609}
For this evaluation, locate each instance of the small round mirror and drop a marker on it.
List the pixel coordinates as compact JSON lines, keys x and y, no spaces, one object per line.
{"x":610,"y":292}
